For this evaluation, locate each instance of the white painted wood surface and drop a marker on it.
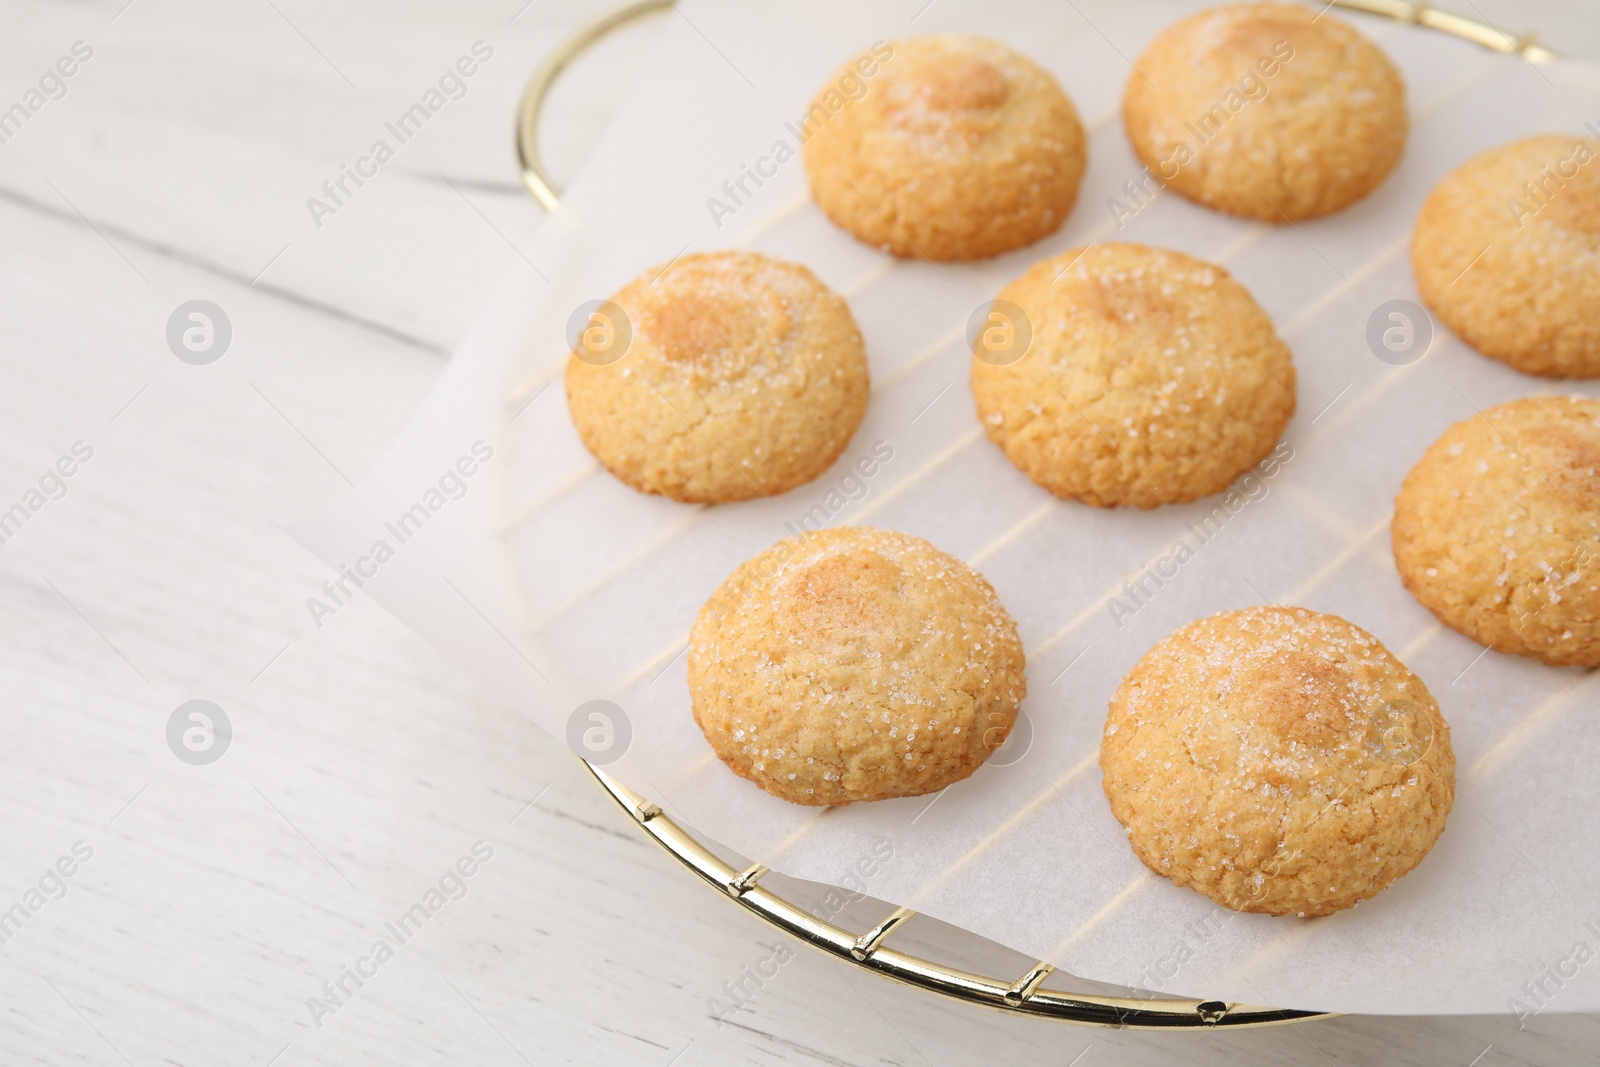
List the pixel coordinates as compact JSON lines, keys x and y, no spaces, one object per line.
{"x":218,"y":899}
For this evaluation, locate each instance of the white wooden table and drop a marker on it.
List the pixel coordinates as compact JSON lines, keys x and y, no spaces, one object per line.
{"x":218,"y":899}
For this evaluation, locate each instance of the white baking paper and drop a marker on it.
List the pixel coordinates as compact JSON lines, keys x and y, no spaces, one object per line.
{"x":557,"y":585}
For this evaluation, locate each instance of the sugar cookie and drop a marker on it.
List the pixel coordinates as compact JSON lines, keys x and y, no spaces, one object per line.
{"x":1277,"y":760}
{"x":1269,"y":111}
{"x":1507,"y":253}
{"x":1497,"y":529}
{"x":956,"y":148}
{"x":744,"y":376}
{"x":854,"y":664}
{"x":1132,"y":376}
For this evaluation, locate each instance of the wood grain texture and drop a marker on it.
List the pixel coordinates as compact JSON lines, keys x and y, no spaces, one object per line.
{"x":219,"y":899}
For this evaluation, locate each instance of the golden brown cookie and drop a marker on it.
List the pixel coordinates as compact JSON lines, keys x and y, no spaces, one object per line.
{"x":949,"y":147}
{"x":745,"y":376}
{"x":1507,"y":253}
{"x":1270,"y":111}
{"x":1126,"y":375}
{"x":1277,"y":760}
{"x":854,"y":664}
{"x":1497,"y":529}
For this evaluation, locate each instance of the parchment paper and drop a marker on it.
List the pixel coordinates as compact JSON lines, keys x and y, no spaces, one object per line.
{"x":557,"y":585}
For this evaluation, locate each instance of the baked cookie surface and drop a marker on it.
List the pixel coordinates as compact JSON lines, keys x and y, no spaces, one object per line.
{"x":745,"y":376}
{"x":1269,"y":111}
{"x":1277,"y":760}
{"x":961,"y":148}
{"x":1150,"y":377}
{"x":1497,"y":529}
{"x":1507,"y":253}
{"x":854,"y":664}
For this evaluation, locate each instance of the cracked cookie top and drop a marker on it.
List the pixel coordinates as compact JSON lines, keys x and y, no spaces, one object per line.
{"x":742,"y":376}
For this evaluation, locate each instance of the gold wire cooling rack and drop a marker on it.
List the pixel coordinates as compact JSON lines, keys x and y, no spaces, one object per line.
{"x":1025,"y":995}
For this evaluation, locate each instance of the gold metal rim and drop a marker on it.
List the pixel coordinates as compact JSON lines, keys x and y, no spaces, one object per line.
{"x":533,"y":97}
{"x":1026,"y":995}
{"x":1425,"y":14}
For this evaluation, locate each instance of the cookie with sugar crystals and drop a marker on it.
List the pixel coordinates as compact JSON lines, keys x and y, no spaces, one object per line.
{"x":1277,"y":760}
{"x":1497,"y":529}
{"x":1507,"y":253}
{"x":740,"y":376}
{"x":854,"y":664}
{"x":948,"y":147}
{"x":1269,"y":111}
{"x":1125,"y":375}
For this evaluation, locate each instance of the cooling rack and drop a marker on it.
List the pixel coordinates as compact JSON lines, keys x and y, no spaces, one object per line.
{"x":868,"y":950}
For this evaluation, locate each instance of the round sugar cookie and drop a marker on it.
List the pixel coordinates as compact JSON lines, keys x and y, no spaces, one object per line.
{"x":742,"y":376}
{"x":854,"y":664}
{"x":1125,"y":375}
{"x":1277,"y":760}
{"x":1269,"y":111}
{"x":1497,"y":529}
{"x":1507,"y":253}
{"x":949,"y":147}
